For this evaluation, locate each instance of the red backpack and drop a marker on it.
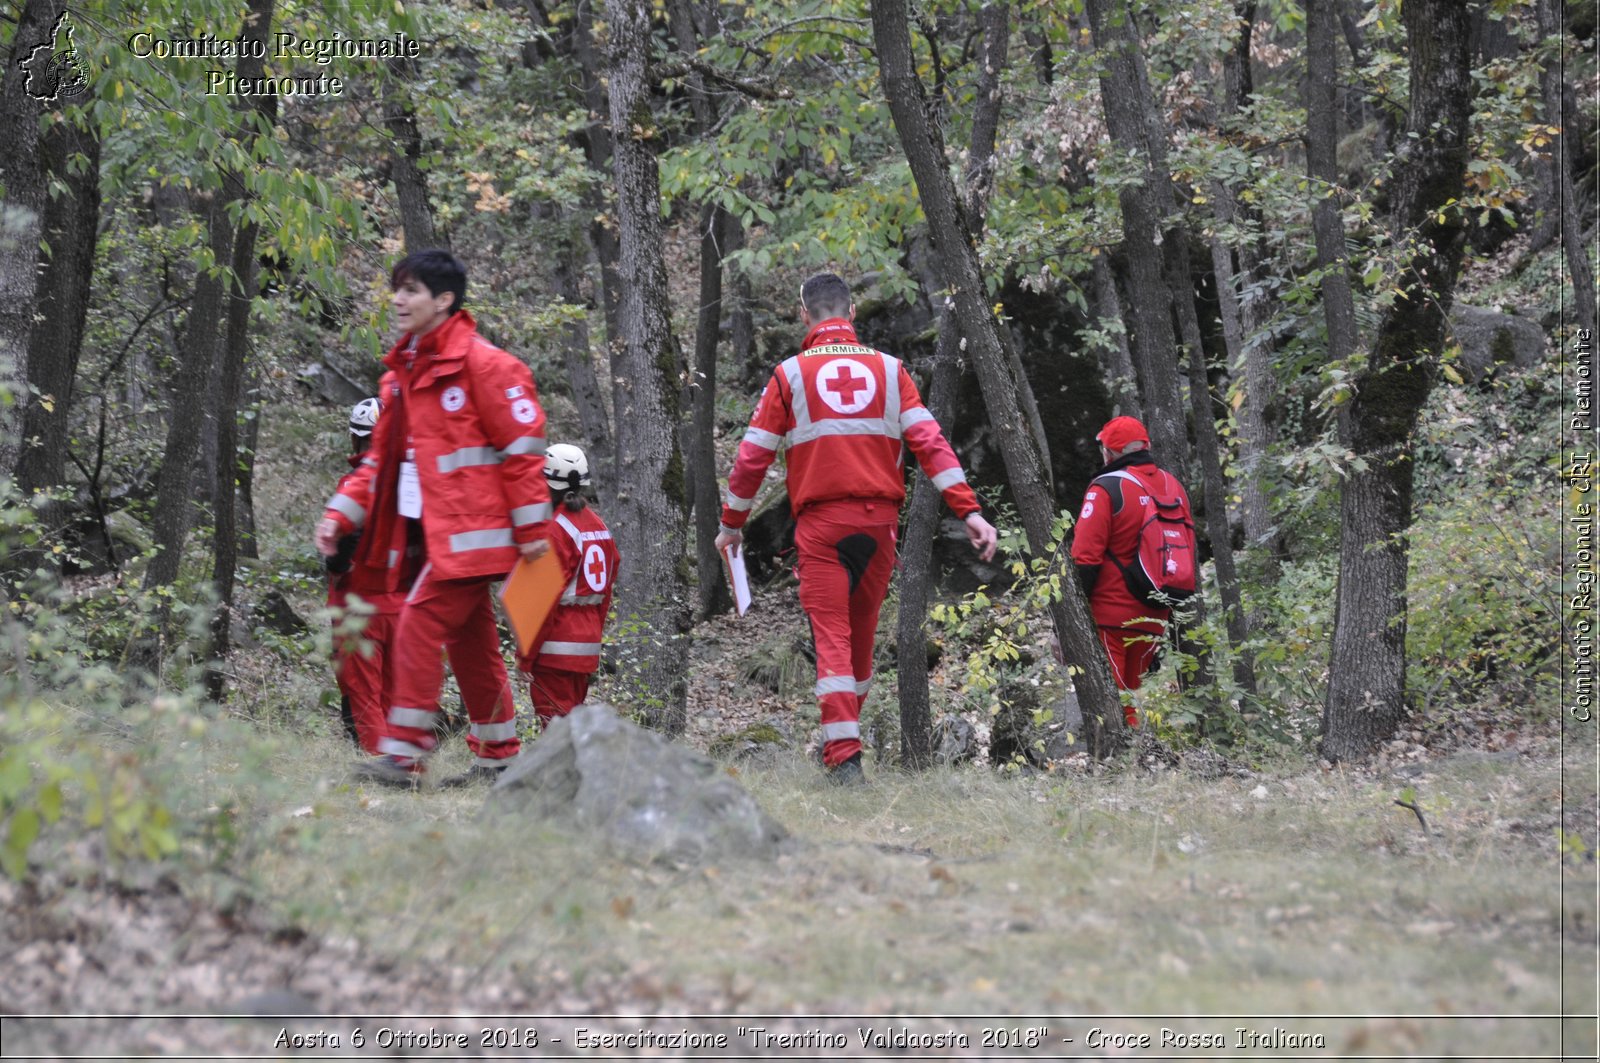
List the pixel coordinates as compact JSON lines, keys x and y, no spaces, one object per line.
{"x":1165,"y":571}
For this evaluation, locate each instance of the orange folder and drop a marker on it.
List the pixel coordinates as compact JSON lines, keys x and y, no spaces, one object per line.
{"x":529,"y":593}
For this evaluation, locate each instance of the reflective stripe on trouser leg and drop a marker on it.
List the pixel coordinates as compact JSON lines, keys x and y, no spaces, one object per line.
{"x":416,"y":672}
{"x":474,"y":649}
{"x":825,"y":596}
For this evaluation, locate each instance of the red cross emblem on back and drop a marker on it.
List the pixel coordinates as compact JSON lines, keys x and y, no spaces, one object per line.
{"x":845,"y":386}
{"x":594,"y":567}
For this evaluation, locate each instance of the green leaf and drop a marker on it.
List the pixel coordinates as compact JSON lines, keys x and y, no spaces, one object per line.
{"x":24,"y":829}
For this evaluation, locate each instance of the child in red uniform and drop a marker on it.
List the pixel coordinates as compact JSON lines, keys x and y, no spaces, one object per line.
{"x":566,"y":653}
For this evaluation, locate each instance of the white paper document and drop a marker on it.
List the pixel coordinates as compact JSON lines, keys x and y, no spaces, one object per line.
{"x":733,"y":557}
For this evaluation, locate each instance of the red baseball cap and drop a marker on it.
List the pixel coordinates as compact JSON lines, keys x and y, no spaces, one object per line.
{"x":1120,"y":431}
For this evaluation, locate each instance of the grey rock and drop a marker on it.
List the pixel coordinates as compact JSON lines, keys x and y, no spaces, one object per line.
{"x":1489,"y":339}
{"x":334,"y":382}
{"x":651,"y":800}
{"x":954,"y":740}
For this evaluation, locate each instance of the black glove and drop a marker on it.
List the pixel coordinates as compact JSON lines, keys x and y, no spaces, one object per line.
{"x":339,"y":563}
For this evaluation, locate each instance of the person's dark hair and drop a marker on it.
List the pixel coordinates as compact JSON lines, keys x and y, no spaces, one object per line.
{"x":825,"y":296}
{"x":436,"y":270}
{"x":572,"y":499}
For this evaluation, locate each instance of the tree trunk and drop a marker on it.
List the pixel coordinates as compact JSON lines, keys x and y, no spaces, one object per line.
{"x":651,"y":499}
{"x":713,"y":594}
{"x":230,"y":372}
{"x":405,"y":160}
{"x":916,"y":567}
{"x":249,"y":546}
{"x":1322,"y":142}
{"x":957,"y":260}
{"x":1566,"y":199}
{"x":1367,"y":665}
{"x":170,"y":520}
{"x":1116,"y":363}
{"x":1125,"y":97}
{"x":922,"y":517}
{"x":597,"y":149}
{"x":21,"y":216}
{"x":577,"y":355}
{"x":1250,"y":311}
{"x":71,"y":157}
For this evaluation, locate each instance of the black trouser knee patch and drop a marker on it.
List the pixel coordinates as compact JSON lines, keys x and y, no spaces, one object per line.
{"x":855,"y":554}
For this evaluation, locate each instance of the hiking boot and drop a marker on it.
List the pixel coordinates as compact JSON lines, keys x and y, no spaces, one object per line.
{"x":390,"y":770}
{"x":476,"y":775}
{"x":847,"y":773}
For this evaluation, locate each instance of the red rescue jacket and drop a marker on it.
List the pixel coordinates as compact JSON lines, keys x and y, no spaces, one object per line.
{"x":570,"y":638}
{"x":468,"y":415}
{"x":1108,"y":526}
{"x":843,"y":411}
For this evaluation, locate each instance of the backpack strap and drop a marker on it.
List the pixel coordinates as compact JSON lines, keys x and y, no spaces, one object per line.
{"x":1112,"y":482}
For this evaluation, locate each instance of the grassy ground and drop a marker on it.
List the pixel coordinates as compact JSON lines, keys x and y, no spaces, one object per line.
{"x":962,"y":891}
{"x":1297,"y":891}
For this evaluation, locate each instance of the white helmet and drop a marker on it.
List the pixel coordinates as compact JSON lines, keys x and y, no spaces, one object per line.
{"x":363,"y":416}
{"x":566,"y":467}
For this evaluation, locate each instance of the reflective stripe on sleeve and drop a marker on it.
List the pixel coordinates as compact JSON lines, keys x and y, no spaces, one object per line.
{"x":836,"y":684}
{"x":949,"y":478}
{"x":487,"y":539}
{"x":371,"y":463}
{"x":863,"y":685}
{"x":739,"y":505}
{"x":570,"y":649}
{"x":525,"y":445}
{"x":402,"y":716}
{"x":531,"y":514}
{"x":799,"y":404}
{"x":835,"y":732}
{"x":349,"y":507}
{"x":915,"y":415}
{"x":493,"y":732}
{"x":762,"y":438}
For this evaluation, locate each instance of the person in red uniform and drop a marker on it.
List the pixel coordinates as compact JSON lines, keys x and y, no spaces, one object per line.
{"x":566,"y":653}
{"x":1107,"y":530}
{"x":844,"y":412}
{"x":459,"y":450}
{"x":363,"y":630}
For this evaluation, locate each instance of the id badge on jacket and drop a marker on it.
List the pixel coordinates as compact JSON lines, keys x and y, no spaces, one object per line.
{"x":410,"y":491}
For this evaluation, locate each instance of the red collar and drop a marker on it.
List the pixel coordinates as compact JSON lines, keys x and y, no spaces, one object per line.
{"x":833,"y":330}
{"x":445,"y":343}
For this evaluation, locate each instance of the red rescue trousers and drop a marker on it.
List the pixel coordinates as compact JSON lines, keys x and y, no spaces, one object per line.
{"x":556,"y":693}
{"x":363,"y":663}
{"x":847,"y":554}
{"x":458,"y":615}
{"x":1131,"y":653}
